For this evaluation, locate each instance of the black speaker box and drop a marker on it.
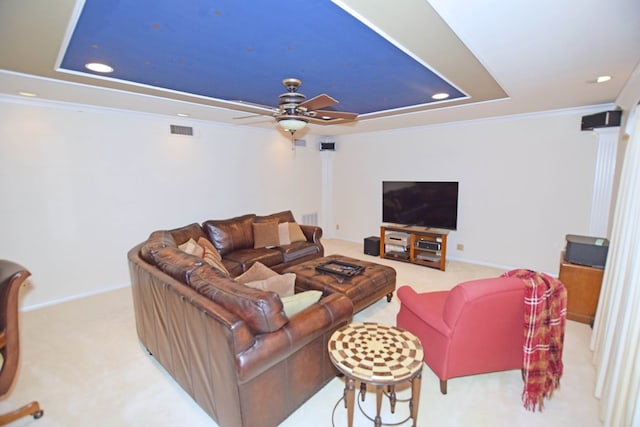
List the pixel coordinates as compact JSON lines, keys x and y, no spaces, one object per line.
{"x":586,"y":250}
{"x":606,"y":119}
{"x":372,"y":246}
{"x":327,"y":146}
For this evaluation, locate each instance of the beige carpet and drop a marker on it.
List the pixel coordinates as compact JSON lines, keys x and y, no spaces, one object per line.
{"x":84,"y":364}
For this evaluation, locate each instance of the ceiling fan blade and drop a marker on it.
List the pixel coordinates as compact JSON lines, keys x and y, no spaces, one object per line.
{"x":321,"y":114}
{"x":320,"y":101}
{"x":251,"y":104}
{"x":249,"y":116}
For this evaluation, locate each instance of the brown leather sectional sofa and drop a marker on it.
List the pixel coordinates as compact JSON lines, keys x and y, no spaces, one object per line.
{"x":231,"y":347}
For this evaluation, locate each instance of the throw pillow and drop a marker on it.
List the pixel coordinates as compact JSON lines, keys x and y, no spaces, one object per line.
{"x":295,"y":233}
{"x":265,"y":234}
{"x":283,"y":233}
{"x":206,"y":244}
{"x":298,"y":302}
{"x":257,"y":271}
{"x":230,"y":235}
{"x":213,"y":259}
{"x":282,"y":284}
{"x":192,"y":248}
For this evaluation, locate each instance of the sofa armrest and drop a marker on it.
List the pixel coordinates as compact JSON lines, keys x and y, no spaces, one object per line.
{"x":312,"y":233}
{"x":322,"y":318}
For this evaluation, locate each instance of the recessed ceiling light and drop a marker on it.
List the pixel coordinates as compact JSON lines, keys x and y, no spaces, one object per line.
{"x":98,"y":67}
{"x":602,"y":79}
{"x":439,"y":96}
{"x":183,"y":115}
{"x":30,"y":94}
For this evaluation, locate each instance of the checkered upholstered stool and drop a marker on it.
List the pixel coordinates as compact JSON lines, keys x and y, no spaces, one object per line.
{"x":380,"y":355}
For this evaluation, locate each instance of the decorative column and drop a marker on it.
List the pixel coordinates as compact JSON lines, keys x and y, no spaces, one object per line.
{"x":326,"y":201}
{"x":603,"y":180}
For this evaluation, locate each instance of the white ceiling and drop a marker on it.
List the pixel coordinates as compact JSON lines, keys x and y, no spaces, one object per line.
{"x":544,"y":54}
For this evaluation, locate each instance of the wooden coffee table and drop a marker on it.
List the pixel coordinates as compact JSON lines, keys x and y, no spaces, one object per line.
{"x":374,"y":282}
{"x":380,"y":355}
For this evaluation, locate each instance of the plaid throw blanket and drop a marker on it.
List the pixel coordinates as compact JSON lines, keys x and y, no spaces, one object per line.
{"x":544,"y":320}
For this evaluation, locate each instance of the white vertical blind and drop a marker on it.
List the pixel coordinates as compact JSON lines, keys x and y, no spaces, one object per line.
{"x":616,"y":336}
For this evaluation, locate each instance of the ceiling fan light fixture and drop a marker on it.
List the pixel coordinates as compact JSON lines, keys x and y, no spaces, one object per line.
{"x":291,"y":123}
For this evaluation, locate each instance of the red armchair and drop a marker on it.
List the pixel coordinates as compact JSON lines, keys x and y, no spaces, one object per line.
{"x":476,"y":327}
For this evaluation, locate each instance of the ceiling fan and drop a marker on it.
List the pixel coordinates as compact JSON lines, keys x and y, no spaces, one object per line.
{"x":294,"y":110}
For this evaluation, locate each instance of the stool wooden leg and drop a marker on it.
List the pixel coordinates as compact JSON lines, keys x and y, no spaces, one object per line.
{"x":415,"y":397}
{"x":378,"y":420}
{"x":349,"y":397}
{"x":392,"y":398}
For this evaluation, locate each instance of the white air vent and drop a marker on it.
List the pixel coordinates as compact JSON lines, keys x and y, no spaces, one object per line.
{"x":310,"y":219}
{"x":181,"y":130}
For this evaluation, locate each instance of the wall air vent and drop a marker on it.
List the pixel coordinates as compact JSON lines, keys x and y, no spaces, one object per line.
{"x":181,"y":130}
{"x":310,"y":219}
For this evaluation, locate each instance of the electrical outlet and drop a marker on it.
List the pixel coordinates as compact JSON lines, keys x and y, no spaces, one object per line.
{"x":460,"y":247}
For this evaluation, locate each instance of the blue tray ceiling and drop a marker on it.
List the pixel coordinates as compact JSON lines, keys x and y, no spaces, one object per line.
{"x":241,"y":50}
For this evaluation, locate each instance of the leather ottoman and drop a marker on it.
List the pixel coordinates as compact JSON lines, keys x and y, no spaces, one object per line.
{"x":365,"y":288}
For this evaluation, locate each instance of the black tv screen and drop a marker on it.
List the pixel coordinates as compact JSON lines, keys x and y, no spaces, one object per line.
{"x":426,"y":204}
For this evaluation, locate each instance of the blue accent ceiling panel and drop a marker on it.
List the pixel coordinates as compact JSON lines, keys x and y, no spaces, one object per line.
{"x":241,"y":50}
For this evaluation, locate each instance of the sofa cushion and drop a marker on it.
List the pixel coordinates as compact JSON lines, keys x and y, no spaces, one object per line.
{"x":295,"y":233}
{"x":298,"y":250}
{"x":212,"y":258}
{"x":265,"y":234}
{"x":260,"y":276}
{"x":206,"y":252}
{"x":258,"y":271}
{"x":283,"y":234}
{"x":205,"y":243}
{"x":191,"y":231}
{"x":192,"y":248}
{"x":261,"y":310}
{"x":234,"y":268}
{"x":290,"y":232}
{"x":229,"y":235}
{"x":284,"y":216}
{"x":246,"y":257}
{"x":281,"y":284}
{"x":298,"y":302}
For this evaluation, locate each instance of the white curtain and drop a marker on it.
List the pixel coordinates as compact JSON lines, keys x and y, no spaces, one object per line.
{"x":616,"y":334}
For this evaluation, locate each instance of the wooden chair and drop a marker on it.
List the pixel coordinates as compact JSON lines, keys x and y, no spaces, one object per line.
{"x":12,"y":276}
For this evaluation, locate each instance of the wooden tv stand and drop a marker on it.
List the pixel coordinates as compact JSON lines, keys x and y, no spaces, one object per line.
{"x":419,"y":247}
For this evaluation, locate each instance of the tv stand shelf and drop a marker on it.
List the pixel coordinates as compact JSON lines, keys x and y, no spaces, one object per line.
{"x":417,"y":245}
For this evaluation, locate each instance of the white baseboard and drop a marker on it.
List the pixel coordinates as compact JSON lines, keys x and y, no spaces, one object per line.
{"x":75,"y":297}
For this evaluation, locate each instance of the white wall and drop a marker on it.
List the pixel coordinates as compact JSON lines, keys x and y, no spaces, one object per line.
{"x":81,"y":186}
{"x":525,"y":182}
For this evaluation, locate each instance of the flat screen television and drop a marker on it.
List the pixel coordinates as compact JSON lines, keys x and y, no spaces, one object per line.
{"x":426,"y":204}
